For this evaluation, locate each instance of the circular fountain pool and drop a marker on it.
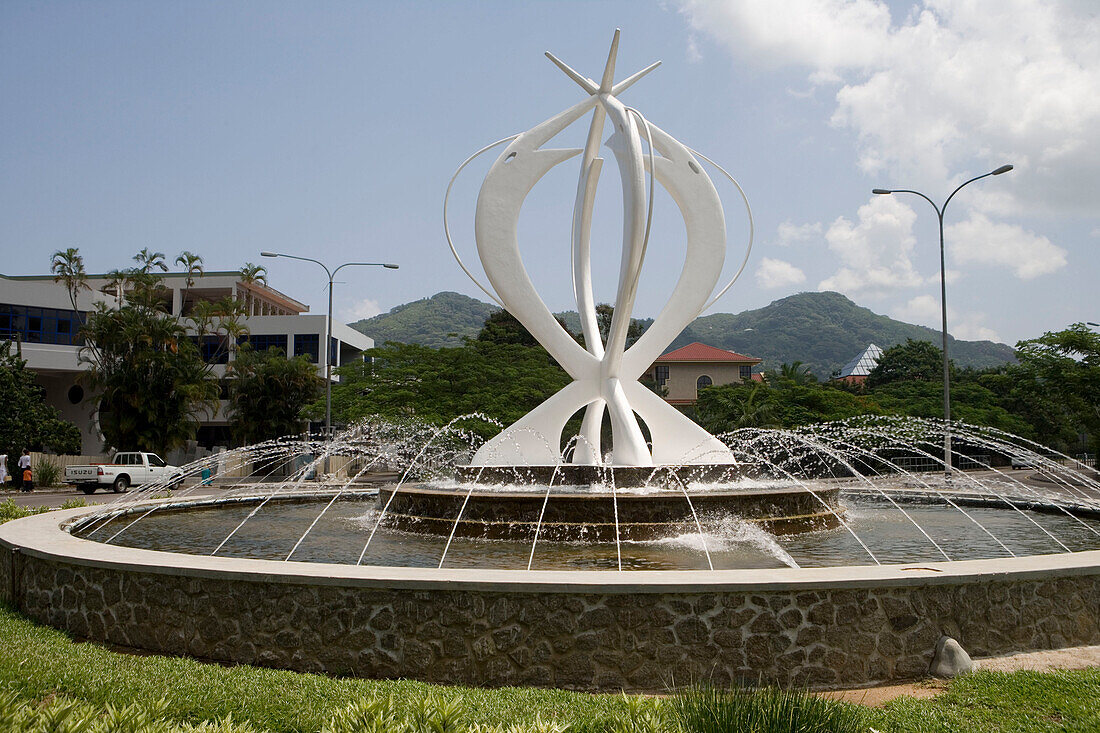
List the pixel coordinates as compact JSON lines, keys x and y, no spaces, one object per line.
{"x":274,"y":567}
{"x":914,"y":528}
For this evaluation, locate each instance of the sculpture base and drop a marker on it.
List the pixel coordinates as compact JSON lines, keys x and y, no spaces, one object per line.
{"x":621,"y":477}
{"x":570,"y":514}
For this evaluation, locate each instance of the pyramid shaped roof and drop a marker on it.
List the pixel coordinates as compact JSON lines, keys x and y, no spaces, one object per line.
{"x":862,"y":365}
{"x":701,"y":352}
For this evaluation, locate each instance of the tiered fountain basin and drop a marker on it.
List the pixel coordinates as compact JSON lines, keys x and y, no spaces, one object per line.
{"x":578,"y":629}
{"x":598,"y":513}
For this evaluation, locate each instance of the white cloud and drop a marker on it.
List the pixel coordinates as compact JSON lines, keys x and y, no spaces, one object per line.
{"x":978,"y":241}
{"x":789,"y":233}
{"x":971,"y":328}
{"x":951,"y":89}
{"x":777,"y":274}
{"x":694,"y":56}
{"x":365,"y":308}
{"x":875,"y":252}
{"x":924,"y":310}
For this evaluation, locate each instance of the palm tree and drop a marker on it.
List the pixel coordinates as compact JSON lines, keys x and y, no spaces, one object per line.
{"x":68,"y":268}
{"x":149,"y":260}
{"x":794,"y":374}
{"x":250,"y":274}
{"x":192,"y":264}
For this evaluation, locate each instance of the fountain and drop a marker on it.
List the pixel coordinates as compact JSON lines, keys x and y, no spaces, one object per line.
{"x":827,"y":555}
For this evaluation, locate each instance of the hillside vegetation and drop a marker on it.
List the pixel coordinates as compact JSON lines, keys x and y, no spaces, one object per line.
{"x":822,"y":330}
{"x":444,"y":319}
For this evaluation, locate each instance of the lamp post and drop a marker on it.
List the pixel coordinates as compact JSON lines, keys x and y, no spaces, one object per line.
{"x":328,"y":324}
{"x":943,"y":304}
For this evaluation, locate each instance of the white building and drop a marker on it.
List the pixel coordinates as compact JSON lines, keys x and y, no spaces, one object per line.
{"x":36,"y":314}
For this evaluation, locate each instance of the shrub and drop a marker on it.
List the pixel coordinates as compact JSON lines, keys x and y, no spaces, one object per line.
{"x":9,"y":511}
{"x":46,"y":473}
{"x":706,"y":709}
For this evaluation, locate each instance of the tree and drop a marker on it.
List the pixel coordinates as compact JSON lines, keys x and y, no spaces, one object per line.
{"x":193,"y":266}
{"x":251,"y":274}
{"x":68,"y":268}
{"x":501,"y":381}
{"x":501,"y":327}
{"x":268,"y":393}
{"x":26,"y":421}
{"x":605,"y":313}
{"x":913,"y":360}
{"x":1065,"y":366}
{"x":791,"y":375}
{"x":149,"y":378}
{"x":728,"y":407}
{"x":149,"y":260}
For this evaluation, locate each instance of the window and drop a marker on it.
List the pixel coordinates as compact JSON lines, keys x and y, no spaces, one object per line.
{"x":213,"y":349}
{"x":746,"y":372}
{"x":703,"y":381}
{"x":40,"y":325}
{"x":156,"y":461}
{"x":660,"y":374}
{"x":307,"y":344}
{"x":263,"y":342}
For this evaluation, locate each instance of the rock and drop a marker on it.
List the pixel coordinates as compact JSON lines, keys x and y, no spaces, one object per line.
{"x":950,"y":659}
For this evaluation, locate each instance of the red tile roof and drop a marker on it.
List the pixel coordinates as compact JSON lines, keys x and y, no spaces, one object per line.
{"x":701,"y":352}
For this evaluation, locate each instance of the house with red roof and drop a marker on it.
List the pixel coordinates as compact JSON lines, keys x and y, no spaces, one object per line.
{"x":686,"y":370}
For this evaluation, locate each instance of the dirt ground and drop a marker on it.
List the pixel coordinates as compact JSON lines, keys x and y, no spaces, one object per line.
{"x":1071,"y":658}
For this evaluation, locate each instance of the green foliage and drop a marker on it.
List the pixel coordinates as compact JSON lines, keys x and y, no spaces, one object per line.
{"x":46,"y":472}
{"x":268,"y":392}
{"x":912,"y":361}
{"x":9,"y":510}
{"x":1064,"y":366}
{"x":502,"y":381}
{"x":728,"y":407}
{"x":705,"y":709}
{"x":26,"y":421}
{"x":782,"y":402}
{"x":445,"y":319}
{"x":502,"y":327}
{"x":68,"y":268}
{"x":151,"y":381}
{"x":824,"y":330}
{"x":147,"y":376}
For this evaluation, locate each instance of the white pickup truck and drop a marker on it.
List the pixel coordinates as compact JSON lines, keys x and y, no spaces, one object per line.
{"x":128,"y":469}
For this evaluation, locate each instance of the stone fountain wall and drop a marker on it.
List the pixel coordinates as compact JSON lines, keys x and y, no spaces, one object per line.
{"x":626,"y":638}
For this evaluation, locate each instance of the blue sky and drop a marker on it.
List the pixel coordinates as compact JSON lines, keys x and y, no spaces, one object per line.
{"x":330,"y":130}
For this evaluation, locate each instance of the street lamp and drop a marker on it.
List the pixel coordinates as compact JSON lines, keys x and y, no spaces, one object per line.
{"x":943,"y":304}
{"x":328,"y":324}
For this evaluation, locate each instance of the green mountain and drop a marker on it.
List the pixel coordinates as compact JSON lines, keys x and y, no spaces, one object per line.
{"x":822,"y":330}
{"x":441,"y":320}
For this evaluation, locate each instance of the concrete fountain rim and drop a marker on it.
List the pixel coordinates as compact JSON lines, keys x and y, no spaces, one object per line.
{"x":45,"y":536}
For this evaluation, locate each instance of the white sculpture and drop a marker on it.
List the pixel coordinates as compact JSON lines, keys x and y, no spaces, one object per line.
{"x":605,"y":374}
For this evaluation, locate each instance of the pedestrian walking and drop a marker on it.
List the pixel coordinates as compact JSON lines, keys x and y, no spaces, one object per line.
{"x":3,"y":470}
{"x":24,"y":465}
{"x":28,"y":479}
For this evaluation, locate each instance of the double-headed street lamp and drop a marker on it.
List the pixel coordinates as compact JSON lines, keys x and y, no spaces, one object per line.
{"x":943,"y":304}
{"x":328,"y":324}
